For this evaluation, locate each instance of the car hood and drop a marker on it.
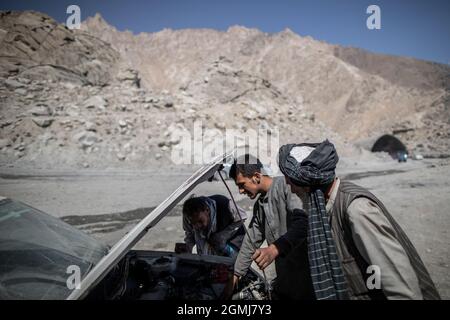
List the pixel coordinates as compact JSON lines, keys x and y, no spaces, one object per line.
{"x":124,"y":245}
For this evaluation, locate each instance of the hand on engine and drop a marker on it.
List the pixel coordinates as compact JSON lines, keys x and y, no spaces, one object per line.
{"x":265,"y":256}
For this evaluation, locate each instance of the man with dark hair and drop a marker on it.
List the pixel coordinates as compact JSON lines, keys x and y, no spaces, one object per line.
{"x":247,"y":165}
{"x":274,"y":210}
{"x":351,"y":234}
{"x":213,"y":225}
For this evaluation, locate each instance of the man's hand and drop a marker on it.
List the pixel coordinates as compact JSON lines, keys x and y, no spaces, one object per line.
{"x":218,"y":241}
{"x":229,"y":288}
{"x":181,"y":247}
{"x":265,"y":256}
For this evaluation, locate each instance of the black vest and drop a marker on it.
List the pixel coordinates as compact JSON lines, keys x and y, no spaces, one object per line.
{"x":353,"y":264}
{"x":225,"y":218}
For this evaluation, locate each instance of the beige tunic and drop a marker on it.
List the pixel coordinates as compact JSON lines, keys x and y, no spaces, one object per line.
{"x":374,"y":238}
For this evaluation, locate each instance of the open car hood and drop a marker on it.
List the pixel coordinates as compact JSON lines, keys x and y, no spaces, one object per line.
{"x":124,"y":245}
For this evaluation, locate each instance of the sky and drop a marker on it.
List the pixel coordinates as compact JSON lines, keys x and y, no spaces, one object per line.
{"x":414,"y":28}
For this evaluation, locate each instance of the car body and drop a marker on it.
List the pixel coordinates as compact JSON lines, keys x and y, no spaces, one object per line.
{"x":402,"y":156}
{"x":42,"y":257}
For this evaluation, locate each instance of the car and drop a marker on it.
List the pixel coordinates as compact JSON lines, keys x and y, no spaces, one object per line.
{"x":43,"y":257}
{"x":402,"y":156}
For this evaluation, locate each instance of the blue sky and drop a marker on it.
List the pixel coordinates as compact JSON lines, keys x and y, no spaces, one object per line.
{"x":415,"y":28}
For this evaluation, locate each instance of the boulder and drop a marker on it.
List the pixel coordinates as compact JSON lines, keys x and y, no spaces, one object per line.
{"x":97,"y":102}
{"x":90,"y":126}
{"x":168,"y":102}
{"x":121,"y":156}
{"x":5,"y":142}
{"x":41,"y":110}
{"x":43,"y":123}
{"x":13,"y":84}
{"x":86,"y":138}
{"x":130,"y":77}
{"x":21,"y":91}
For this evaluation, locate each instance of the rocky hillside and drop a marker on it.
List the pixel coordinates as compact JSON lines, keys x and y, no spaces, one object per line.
{"x":35,"y":46}
{"x":358,"y":94}
{"x":101,"y":98}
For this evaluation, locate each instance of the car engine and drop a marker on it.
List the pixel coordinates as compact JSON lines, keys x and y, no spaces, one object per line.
{"x":151,"y":275}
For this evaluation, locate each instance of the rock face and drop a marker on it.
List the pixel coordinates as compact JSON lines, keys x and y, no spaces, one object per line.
{"x":34,"y":46}
{"x":96,"y":102}
{"x":43,"y":123}
{"x":355,"y":93}
{"x":98,"y":98}
{"x":130,"y":77}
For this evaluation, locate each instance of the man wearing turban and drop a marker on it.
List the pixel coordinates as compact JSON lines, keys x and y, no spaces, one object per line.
{"x":352,"y":239}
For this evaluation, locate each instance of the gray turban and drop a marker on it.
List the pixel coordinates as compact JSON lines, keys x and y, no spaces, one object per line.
{"x":309,"y":164}
{"x":313,"y":165}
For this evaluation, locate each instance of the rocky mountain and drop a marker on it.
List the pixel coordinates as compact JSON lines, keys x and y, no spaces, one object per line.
{"x":358,"y":94}
{"x":101,"y":98}
{"x":34,"y":44}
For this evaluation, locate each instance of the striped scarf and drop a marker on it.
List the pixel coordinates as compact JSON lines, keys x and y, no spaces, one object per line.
{"x":317,"y":171}
{"x":326,"y":272}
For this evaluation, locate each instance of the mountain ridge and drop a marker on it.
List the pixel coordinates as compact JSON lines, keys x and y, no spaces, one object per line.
{"x":99,"y":93}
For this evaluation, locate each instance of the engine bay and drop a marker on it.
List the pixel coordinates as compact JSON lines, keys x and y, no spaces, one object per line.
{"x":153,"y":275}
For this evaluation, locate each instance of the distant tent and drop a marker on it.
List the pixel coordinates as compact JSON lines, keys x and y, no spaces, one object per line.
{"x":391,"y":145}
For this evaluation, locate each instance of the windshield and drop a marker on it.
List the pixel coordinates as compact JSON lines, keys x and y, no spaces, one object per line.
{"x":36,"y":251}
